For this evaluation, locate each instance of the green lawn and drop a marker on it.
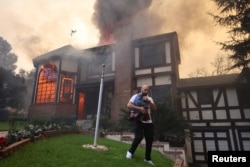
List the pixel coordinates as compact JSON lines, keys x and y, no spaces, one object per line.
{"x":5,"y":126}
{"x":68,"y":151}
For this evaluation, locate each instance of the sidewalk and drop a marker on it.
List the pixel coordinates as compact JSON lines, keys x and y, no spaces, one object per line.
{"x":3,"y":133}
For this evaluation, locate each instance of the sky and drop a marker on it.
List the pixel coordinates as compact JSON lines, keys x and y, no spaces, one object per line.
{"x":34,"y":27}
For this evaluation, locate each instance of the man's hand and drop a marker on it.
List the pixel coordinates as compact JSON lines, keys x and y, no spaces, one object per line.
{"x":145,"y":98}
{"x":144,"y":110}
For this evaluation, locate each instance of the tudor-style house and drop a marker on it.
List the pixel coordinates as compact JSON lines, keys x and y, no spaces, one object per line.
{"x":67,"y":80}
{"x":218,"y":108}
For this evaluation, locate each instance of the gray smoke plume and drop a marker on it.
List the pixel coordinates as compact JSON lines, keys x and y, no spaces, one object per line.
{"x":112,"y":15}
{"x":33,"y":33}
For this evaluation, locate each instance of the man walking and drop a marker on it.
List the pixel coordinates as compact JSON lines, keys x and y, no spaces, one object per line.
{"x":144,"y":126}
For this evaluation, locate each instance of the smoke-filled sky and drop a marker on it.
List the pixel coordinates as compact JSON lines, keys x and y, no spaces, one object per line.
{"x":34,"y":27}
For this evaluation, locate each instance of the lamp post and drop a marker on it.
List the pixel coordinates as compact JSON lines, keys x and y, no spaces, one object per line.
{"x":99,"y":107}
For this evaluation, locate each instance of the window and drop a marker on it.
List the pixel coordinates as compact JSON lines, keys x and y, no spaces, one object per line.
{"x":244,"y":95}
{"x":46,"y":88}
{"x":67,"y":87}
{"x":103,"y":56}
{"x":161,"y":94}
{"x":205,"y":96}
{"x":209,"y":141}
{"x":152,"y":54}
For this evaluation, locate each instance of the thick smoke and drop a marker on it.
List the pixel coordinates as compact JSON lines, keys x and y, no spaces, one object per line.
{"x":111,"y":16}
{"x":117,"y":19}
{"x":31,"y":32}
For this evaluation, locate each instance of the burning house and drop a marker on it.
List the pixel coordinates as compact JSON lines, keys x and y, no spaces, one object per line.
{"x":67,"y":80}
{"x":217,"y":108}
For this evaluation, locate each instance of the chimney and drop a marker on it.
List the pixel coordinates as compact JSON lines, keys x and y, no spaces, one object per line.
{"x":114,"y":20}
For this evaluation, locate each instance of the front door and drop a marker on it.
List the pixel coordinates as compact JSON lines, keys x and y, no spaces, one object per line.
{"x":81,"y":103}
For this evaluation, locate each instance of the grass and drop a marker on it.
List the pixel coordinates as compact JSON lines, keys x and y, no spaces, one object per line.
{"x":5,"y":126}
{"x":67,"y":151}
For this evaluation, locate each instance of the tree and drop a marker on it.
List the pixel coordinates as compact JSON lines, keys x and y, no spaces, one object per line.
{"x":235,"y":15}
{"x":12,"y":89}
{"x":29,"y":84}
{"x":199,"y":72}
{"x":7,"y":59}
{"x":221,"y":66}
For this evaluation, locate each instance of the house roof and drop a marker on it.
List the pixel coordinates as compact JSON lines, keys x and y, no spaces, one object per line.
{"x":228,"y":79}
{"x":64,"y":51}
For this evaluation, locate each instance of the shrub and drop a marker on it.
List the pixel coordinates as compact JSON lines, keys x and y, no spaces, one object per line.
{"x":169,"y":125}
{"x":124,"y":124}
{"x":39,"y":120}
{"x":105,"y":123}
{"x":62,"y":120}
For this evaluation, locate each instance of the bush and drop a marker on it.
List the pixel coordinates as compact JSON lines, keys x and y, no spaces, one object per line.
{"x":124,"y":124}
{"x":61,"y":120}
{"x":39,"y":120}
{"x":105,"y":123}
{"x":14,"y":119}
{"x":169,"y":126}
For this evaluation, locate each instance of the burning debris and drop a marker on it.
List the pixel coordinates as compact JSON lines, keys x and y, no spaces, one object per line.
{"x":111,"y":16}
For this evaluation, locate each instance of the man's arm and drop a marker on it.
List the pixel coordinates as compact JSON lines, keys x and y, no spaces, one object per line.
{"x":151,"y":102}
{"x":131,"y":106}
{"x":152,"y":106}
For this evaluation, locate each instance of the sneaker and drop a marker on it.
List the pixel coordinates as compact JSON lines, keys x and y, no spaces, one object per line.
{"x":129,"y":155}
{"x":149,"y":162}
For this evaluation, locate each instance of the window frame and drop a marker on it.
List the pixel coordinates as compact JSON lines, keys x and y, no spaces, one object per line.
{"x":161,"y":94}
{"x":146,"y":59}
{"x":46,"y":84}
{"x":205,"y":96}
{"x":66,"y":91}
{"x":243,"y":93}
{"x":97,"y":58}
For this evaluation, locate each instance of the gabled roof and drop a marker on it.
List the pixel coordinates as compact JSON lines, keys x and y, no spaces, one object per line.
{"x":64,"y":51}
{"x":219,"y":80}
